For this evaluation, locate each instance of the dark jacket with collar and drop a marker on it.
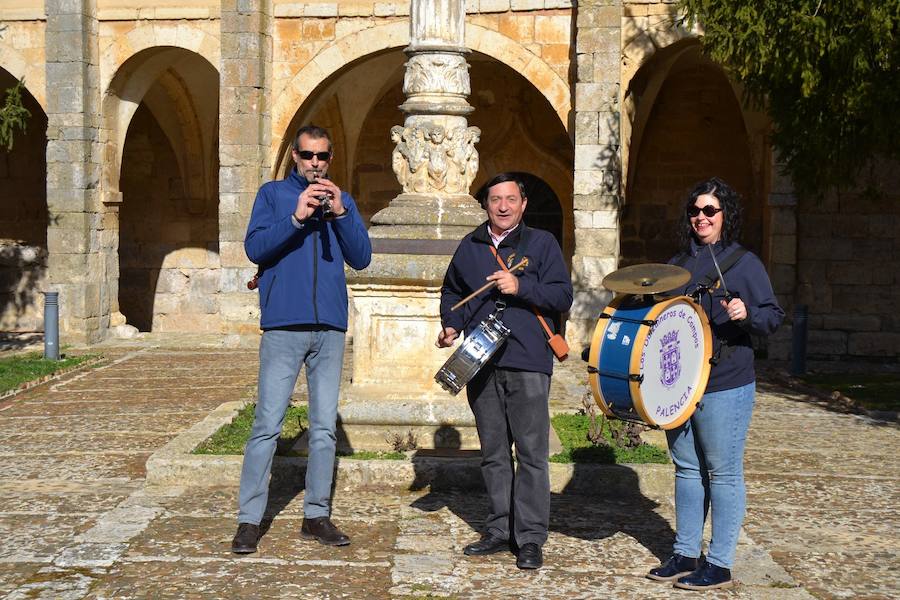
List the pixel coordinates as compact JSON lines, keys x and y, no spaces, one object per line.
{"x":302,"y":280}
{"x":748,"y":279}
{"x":544,"y":283}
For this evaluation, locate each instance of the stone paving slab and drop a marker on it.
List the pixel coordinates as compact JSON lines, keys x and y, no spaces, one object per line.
{"x":65,"y":442}
{"x":871,"y":495}
{"x":822,"y":505}
{"x":44,"y":496}
{"x":76,"y":466}
{"x":160,"y":421}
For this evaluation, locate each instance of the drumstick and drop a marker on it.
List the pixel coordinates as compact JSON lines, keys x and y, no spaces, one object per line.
{"x":520,"y":265}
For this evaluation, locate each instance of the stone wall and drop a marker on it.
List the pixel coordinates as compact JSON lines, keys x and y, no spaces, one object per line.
{"x":848,"y":268}
{"x":23,"y":275}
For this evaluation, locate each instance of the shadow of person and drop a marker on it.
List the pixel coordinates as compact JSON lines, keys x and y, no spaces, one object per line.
{"x":596,"y":502}
{"x":600,"y":500}
{"x":452,"y":477}
{"x":288,"y":478}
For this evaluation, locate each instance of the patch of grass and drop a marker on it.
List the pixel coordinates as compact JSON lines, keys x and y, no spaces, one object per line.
{"x":874,"y":391}
{"x":373,"y":455}
{"x":572,"y":430}
{"x":231,"y":438}
{"x":16,"y":370}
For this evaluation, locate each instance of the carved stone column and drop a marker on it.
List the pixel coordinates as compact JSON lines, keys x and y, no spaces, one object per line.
{"x":396,"y":300}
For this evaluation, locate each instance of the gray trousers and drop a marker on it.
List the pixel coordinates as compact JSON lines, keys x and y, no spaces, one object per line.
{"x":511,"y":406}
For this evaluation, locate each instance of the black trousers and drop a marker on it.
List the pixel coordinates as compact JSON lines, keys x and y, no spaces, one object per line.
{"x":511,"y":406}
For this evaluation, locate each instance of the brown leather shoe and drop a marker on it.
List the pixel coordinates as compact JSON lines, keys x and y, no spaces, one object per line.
{"x":246,"y":539}
{"x":322,"y":529}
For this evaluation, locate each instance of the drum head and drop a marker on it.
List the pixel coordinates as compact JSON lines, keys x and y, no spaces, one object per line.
{"x":674,"y":363}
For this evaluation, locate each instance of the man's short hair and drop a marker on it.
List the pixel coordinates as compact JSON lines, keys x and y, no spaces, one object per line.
{"x":482,"y":194}
{"x":313,"y":131}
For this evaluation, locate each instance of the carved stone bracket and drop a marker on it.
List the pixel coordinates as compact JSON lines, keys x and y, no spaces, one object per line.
{"x":432,"y":158}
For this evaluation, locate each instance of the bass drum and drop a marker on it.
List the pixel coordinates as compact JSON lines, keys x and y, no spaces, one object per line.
{"x":649,"y":360}
{"x":473,"y":354}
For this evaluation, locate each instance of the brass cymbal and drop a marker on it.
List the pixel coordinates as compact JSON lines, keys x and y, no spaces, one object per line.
{"x":651,"y":278}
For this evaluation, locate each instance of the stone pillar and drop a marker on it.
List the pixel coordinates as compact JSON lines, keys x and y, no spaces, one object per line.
{"x":598,"y":168}
{"x":75,"y":263}
{"x":244,"y":136}
{"x":396,"y":315}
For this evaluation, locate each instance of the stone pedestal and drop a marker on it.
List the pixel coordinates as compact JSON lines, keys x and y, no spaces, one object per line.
{"x":394,"y":362}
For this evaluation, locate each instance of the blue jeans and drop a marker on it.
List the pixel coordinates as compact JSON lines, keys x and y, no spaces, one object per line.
{"x":281,"y":355}
{"x":708,"y":452}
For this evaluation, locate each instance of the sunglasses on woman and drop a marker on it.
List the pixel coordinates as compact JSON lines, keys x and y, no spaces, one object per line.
{"x":709,"y":210}
{"x":308,"y":154}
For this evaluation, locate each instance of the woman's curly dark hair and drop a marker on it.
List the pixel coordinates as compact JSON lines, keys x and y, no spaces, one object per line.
{"x":729,"y":201}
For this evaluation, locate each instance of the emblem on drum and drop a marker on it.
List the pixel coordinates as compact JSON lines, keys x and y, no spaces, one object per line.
{"x":669,"y":359}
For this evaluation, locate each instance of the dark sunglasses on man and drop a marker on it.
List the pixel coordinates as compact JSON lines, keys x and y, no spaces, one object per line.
{"x":308,"y":154}
{"x":709,"y":210}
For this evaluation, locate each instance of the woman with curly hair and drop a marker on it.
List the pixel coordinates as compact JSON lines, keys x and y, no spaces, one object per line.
{"x":708,"y":449}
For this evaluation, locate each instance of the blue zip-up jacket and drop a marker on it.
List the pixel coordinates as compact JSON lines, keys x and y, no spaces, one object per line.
{"x":545,"y":283}
{"x":302,"y":269}
{"x":748,"y":279}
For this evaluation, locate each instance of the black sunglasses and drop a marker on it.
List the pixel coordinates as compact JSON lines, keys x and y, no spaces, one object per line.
{"x":308,"y":154}
{"x":709,"y":210}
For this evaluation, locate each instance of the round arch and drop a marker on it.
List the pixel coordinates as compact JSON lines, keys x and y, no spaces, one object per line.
{"x":163,"y":75}
{"x":687,"y":124}
{"x":148,"y":35}
{"x":372,"y":41}
{"x":15,"y":63}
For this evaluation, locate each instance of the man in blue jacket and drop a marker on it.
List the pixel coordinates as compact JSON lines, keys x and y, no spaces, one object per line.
{"x":509,"y":396}
{"x":300,"y":248}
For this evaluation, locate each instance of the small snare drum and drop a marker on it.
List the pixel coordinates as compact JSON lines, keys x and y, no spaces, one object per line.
{"x":649,"y":360}
{"x":473,"y":354}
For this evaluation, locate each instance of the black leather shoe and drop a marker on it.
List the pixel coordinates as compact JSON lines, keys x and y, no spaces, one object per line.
{"x":530,"y":557}
{"x":488,"y":544}
{"x":322,"y":529}
{"x":677,"y":566}
{"x":707,"y":577}
{"x":246,"y":539}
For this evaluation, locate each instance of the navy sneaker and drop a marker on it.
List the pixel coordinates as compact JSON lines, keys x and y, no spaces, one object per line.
{"x":707,"y":577}
{"x":677,"y":566}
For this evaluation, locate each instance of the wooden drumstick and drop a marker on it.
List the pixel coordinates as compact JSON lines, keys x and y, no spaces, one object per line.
{"x":520,"y":265}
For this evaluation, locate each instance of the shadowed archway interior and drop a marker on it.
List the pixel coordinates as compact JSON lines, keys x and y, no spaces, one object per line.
{"x":23,"y":218}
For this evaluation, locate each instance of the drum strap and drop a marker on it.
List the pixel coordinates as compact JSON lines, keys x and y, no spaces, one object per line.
{"x":557,"y":342}
{"x":711,"y":278}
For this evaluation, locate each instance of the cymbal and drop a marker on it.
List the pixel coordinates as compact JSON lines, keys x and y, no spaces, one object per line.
{"x":651,"y":278}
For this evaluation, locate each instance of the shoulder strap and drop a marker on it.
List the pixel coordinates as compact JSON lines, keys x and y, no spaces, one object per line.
{"x":726,"y":263}
{"x":537,"y":313}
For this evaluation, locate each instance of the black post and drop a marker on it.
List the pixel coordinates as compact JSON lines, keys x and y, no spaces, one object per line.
{"x":798,"y":347}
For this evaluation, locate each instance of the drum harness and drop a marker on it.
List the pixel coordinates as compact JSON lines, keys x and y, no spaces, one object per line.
{"x":709,"y":283}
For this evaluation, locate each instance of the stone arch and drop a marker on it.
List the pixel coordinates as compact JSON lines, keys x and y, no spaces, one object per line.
{"x":160,"y":178}
{"x":686,"y":123}
{"x":151,"y":75}
{"x":17,"y":65}
{"x":376,"y":40}
{"x":521,"y":131}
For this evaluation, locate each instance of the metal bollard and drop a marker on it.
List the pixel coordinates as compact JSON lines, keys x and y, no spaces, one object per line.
{"x":51,"y":325}
{"x":798,"y":346}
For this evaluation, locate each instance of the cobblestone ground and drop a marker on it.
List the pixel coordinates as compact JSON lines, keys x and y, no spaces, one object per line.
{"x":77,"y":520}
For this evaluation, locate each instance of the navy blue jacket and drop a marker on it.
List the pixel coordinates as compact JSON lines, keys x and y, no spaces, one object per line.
{"x":748,"y":279}
{"x":544,"y":283}
{"x":302,"y":280}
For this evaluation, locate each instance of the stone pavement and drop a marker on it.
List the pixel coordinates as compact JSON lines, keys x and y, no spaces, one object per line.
{"x":78,"y":521}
